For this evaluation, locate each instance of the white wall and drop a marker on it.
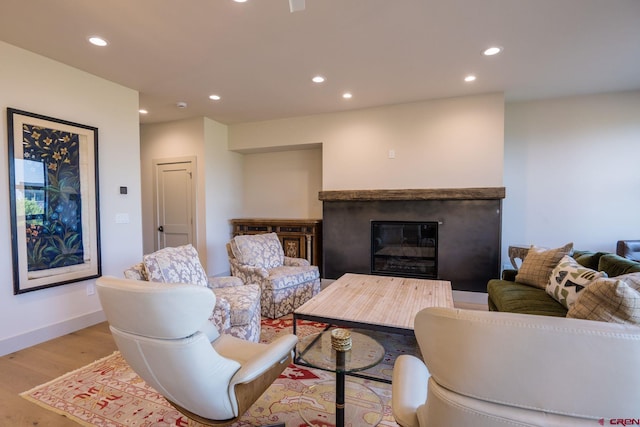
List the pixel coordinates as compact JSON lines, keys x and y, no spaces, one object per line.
{"x":224,"y":178}
{"x":445,"y":143}
{"x":283,"y":184}
{"x":39,"y":85}
{"x":171,"y":140}
{"x":219,"y":182}
{"x":571,"y":171}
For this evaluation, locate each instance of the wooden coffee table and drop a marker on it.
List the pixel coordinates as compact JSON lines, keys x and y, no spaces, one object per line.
{"x":381,"y":303}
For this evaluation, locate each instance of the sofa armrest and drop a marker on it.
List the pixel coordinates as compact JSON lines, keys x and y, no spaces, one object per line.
{"x":509,"y":274}
{"x":295,"y":262}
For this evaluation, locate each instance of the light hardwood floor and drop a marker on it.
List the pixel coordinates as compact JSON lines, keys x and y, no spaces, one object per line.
{"x":471,"y":306}
{"x":25,"y":369}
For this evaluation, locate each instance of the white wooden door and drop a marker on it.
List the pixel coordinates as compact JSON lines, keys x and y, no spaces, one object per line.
{"x":174,"y":221}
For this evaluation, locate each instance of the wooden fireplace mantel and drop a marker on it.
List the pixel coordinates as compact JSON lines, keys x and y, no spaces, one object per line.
{"x":484,"y":193}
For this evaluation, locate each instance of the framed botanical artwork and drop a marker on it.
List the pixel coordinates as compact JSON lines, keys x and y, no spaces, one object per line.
{"x":53,"y":180}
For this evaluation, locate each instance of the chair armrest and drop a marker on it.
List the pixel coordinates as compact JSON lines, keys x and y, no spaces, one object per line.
{"x":295,"y":262}
{"x":276,"y":352}
{"x":409,"y":389}
{"x":210,"y":330}
{"x":509,"y":275}
{"x":247,"y":270}
{"x":224,"y":282}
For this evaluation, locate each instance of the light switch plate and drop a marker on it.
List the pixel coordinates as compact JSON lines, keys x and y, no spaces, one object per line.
{"x":122,"y":218}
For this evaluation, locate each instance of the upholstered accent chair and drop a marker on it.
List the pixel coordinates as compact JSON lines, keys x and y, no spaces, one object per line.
{"x":286,"y":283}
{"x":163,"y":332}
{"x":486,"y":369}
{"x":237,"y":308}
{"x":629,"y":249}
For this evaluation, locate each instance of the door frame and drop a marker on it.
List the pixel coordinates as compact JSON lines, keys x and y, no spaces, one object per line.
{"x":194,"y":194}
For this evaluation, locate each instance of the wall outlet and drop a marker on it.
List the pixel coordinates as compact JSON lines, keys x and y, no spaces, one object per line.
{"x":91,"y":289}
{"x":392,"y":154}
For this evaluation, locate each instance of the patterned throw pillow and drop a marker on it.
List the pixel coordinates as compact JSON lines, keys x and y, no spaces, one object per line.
{"x":537,"y":265}
{"x":258,"y":250}
{"x":175,"y":265}
{"x":615,"y":299}
{"x":568,"y":279}
{"x":136,"y":272}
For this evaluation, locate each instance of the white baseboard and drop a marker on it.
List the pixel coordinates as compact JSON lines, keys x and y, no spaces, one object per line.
{"x":18,"y":342}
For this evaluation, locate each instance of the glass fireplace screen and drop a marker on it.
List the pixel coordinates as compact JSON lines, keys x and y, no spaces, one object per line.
{"x":406,"y":249}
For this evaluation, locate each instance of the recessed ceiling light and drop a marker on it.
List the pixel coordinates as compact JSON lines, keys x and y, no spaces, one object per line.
{"x":493,"y":50}
{"x":215,"y":97}
{"x":470,"y":78}
{"x":98,"y":41}
{"x":143,"y":111}
{"x":240,"y":1}
{"x":347,"y":95}
{"x":318,"y":79}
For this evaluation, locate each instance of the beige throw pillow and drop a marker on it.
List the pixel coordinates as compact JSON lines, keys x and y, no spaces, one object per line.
{"x":539,"y":263}
{"x":615,"y":299}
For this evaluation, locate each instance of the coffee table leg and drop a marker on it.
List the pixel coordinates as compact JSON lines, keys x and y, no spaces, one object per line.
{"x":340,"y":379}
{"x":295,"y":323}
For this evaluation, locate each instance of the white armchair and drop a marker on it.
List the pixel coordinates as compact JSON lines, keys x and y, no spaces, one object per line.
{"x":286,"y":283}
{"x":484,"y":369}
{"x":163,"y":332}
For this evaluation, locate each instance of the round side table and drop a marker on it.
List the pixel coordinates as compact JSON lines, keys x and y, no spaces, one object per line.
{"x":330,"y":403}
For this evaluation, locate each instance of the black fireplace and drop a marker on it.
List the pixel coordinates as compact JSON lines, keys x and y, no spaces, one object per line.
{"x":404,"y":248}
{"x":466,"y":232}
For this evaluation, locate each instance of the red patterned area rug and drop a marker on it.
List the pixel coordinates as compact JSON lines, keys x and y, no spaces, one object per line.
{"x":108,"y":393}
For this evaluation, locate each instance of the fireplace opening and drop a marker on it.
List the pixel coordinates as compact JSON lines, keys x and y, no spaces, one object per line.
{"x":404,"y":248}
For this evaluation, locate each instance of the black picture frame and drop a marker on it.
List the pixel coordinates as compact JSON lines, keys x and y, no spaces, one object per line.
{"x":53,"y":187}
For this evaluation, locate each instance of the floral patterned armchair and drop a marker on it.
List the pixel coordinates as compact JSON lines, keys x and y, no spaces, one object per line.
{"x":286,"y":283}
{"x":237,"y":307}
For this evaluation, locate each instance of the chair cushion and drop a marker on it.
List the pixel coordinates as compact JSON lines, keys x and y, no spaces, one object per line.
{"x":175,"y":265}
{"x":244,"y":302}
{"x":615,"y":265}
{"x":518,"y":298}
{"x":285,"y":277}
{"x":588,"y":259}
{"x":258,"y":250}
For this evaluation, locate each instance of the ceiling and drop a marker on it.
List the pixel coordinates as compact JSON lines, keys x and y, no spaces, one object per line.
{"x":260,"y":58}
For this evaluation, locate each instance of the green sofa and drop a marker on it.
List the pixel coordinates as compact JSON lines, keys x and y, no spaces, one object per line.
{"x":508,"y":295}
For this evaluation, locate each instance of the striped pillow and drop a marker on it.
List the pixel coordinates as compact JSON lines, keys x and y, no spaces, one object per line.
{"x":615,"y":299}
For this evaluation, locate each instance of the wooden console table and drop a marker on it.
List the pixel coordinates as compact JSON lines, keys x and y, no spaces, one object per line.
{"x":300,"y":238}
{"x":517,"y":252}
